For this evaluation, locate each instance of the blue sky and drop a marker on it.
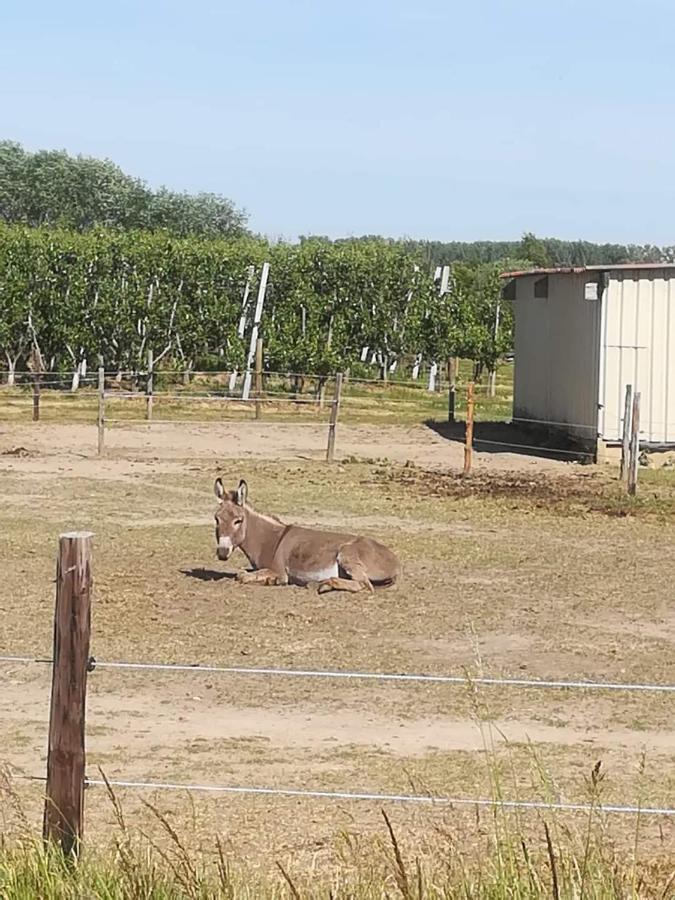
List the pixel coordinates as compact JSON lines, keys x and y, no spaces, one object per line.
{"x":426,"y":119}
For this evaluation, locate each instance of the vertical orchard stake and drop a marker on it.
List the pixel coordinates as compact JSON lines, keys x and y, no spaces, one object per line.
{"x":64,"y":801}
{"x":625,"y":441}
{"x":101,"y":410}
{"x":258,"y":377}
{"x":634,"y":446}
{"x":468,"y":441}
{"x":257,"y":316}
{"x":149,"y":387}
{"x":334,"y":412}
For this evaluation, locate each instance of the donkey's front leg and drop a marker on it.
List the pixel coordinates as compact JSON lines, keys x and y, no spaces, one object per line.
{"x":262,"y":576}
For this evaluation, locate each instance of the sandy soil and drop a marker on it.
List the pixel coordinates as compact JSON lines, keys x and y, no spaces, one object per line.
{"x":60,"y":444}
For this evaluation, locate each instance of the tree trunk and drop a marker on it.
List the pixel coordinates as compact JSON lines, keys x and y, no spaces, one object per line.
{"x":11,"y":373}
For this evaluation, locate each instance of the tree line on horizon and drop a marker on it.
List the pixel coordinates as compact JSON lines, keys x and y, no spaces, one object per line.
{"x":54,"y":189}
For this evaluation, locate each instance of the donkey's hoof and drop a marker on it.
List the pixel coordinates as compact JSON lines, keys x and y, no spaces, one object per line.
{"x":242,"y":577}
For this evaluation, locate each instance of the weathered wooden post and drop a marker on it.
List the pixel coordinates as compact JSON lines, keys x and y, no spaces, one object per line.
{"x":36,"y":396}
{"x":64,"y":801}
{"x":101,"y":410}
{"x":149,"y":386}
{"x":334,"y":412}
{"x":634,"y":446}
{"x":625,"y":442}
{"x":35,"y":366}
{"x":468,"y":440}
{"x":258,"y":377}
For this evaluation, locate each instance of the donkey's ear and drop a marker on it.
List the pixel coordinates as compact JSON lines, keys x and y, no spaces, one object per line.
{"x":218,"y":489}
{"x":242,"y":493}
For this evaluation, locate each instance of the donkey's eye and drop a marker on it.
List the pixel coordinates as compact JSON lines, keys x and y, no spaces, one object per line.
{"x":238,"y":522}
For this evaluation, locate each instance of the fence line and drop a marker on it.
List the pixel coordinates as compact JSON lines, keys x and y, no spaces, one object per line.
{"x":540,"y":449}
{"x":321,"y":423}
{"x":228,"y":398}
{"x":593,"y":428}
{"x":427,"y":799}
{"x":363,"y":676}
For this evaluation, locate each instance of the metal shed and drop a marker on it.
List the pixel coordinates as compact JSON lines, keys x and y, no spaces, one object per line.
{"x":581,"y":335}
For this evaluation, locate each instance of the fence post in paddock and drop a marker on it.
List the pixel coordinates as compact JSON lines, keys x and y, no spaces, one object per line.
{"x":36,"y":396}
{"x":634,"y":446}
{"x":35,"y":366}
{"x":149,"y":386}
{"x":625,"y":440}
{"x":101,"y":410}
{"x":468,"y":440}
{"x":452,"y":375}
{"x":258,"y":377}
{"x":334,"y":412}
{"x":64,"y":800}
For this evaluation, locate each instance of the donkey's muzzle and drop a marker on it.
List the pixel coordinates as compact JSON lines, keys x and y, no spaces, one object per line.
{"x":225,"y":548}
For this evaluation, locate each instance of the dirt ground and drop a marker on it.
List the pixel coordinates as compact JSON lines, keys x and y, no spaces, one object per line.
{"x":521,"y":571}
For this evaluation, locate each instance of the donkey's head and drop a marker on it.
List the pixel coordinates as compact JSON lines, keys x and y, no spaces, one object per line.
{"x":230,"y":518}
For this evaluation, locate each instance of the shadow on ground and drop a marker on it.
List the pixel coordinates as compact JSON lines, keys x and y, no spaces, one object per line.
{"x":502,"y":437}
{"x":208,"y":574}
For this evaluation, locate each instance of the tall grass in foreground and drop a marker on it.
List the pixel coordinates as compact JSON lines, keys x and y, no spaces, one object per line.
{"x":552,"y":860}
{"x":501,"y":854}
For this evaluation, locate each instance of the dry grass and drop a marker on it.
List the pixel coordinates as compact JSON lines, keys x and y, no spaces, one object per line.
{"x":504,"y":574}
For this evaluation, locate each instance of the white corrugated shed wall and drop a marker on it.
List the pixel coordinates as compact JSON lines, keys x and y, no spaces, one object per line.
{"x":639,"y":349}
{"x":557,"y":355}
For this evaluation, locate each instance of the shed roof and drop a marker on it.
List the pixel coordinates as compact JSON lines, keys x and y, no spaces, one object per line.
{"x":576,"y":270}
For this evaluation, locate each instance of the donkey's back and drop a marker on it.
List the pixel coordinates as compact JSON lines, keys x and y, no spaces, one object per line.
{"x":336,"y":561}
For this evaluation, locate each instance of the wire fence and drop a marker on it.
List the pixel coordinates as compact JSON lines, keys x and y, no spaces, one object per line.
{"x":466,"y":680}
{"x":319,"y":794}
{"x":294,"y":403}
{"x":426,"y":799}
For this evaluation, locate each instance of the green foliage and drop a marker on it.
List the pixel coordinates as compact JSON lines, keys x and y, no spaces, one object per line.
{"x":557,"y":252}
{"x":535,"y":251}
{"x":52,"y":188}
{"x":118,"y":295}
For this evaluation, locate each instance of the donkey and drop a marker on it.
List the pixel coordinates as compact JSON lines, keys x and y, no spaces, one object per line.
{"x":289,"y":554}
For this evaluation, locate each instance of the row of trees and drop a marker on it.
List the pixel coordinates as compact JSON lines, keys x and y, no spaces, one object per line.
{"x":77,"y":296}
{"x":52,"y":188}
{"x":539,"y":251}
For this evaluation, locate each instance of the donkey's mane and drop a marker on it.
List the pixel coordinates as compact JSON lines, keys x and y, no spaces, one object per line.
{"x":249,"y":506}
{"x":270,"y":518}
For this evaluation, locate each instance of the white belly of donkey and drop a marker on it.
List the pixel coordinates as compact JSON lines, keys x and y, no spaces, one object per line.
{"x":309,"y":577}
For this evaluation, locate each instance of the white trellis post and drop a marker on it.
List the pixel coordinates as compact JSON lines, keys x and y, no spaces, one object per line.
{"x":262,"y":288}
{"x":442,"y":274}
{"x":492,"y":382}
{"x":242,"y":321}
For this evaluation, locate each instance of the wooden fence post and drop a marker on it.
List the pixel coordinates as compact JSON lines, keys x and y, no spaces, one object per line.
{"x":258,"y":377}
{"x":101,"y":410}
{"x":452,"y":376}
{"x":334,"y":412}
{"x":64,"y":801}
{"x":625,"y":442}
{"x":35,"y":366}
{"x":468,"y":440}
{"x":149,"y":387}
{"x":36,"y":396}
{"x":634,"y":446}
